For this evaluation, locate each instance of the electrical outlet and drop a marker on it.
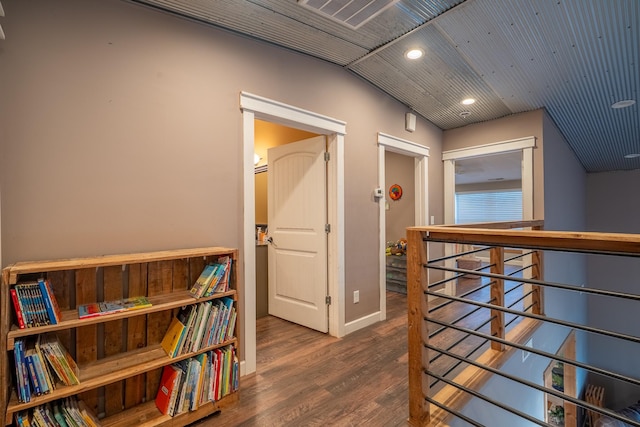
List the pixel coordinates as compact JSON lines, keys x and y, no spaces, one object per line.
{"x":356,"y":297}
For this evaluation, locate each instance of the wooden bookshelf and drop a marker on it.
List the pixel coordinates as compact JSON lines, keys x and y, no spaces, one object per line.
{"x":120,"y":377}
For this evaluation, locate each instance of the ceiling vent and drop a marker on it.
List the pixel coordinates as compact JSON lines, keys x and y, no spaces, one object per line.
{"x":352,"y":13}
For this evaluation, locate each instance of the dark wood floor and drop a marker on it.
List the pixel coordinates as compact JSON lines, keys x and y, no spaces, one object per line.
{"x":306,"y":378}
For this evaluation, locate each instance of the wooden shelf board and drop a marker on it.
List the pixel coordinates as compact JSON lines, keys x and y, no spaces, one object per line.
{"x":108,"y":370}
{"x":16,"y":269}
{"x":147,"y":415}
{"x":70,"y":317}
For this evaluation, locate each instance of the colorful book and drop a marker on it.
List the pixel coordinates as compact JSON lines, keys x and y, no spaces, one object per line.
{"x":226,"y":261}
{"x":168,"y":389}
{"x":59,"y":359}
{"x":17,"y":308}
{"x":110,"y":307}
{"x":54,"y":303}
{"x":48,"y":304}
{"x":203,"y":281}
{"x":214,"y":286}
{"x":22,"y":374}
{"x":171,"y":342}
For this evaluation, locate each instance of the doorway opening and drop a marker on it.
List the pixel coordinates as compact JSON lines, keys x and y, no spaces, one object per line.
{"x":255,"y":107}
{"x":419,"y":163}
{"x":465,"y":168}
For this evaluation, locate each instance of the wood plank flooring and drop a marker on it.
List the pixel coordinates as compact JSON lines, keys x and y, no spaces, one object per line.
{"x":306,"y":378}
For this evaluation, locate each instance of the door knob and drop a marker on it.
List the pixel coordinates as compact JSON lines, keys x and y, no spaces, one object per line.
{"x":269,"y":240}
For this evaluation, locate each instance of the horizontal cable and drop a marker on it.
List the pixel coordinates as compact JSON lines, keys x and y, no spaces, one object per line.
{"x":530,"y":384}
{"x":543,"y":283}
{"x":541,"y":318}
{"x":464,"y":337}
{"x":475,"y":310}
{"x":466,"y":294}
{"x":467,"y":355}
{"x":457,"y":255}
{"x":453,"y":412}
{"x":520,"y":299}
{"x":488,"y":400}
{"x":514,"y":288}
{"x":563,"y":359}
{"x":513,"y":273}
{"x":455,"y":276}
{"x":522,"y":255}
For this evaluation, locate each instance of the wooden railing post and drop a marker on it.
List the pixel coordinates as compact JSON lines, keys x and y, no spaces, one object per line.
{"x":537,"y":296}
{"x":496,"y":256}
{"x":417,"y":302}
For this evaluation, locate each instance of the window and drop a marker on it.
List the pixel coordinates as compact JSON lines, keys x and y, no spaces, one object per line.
{"x":488,"y":206}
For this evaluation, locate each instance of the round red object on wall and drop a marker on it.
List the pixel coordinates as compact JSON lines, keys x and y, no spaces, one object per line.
{"x":395,"y":192}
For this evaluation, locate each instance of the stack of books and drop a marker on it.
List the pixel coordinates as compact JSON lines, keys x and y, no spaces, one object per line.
{"x":190,"y":383}
{"x":64,"y":412}
{"x":199,"y":326}
{"x":214,"y":278}
{"x":35,"y":304}
{"x":41,"y":364}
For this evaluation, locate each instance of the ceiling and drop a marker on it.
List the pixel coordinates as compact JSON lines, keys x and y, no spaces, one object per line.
{"x":575,"y":58}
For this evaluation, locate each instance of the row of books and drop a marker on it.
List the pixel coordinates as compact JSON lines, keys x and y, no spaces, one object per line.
{"x":35,"y":304}
{"x":214,"y":278}
{"x":68,"y":412}
{"x":199,"y":326}
{"x":110,"y":307}
{"x":41,"y":364}
{"x":190,"y":383}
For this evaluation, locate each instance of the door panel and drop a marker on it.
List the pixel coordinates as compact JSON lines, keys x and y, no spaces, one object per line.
{"x":297,"y":211}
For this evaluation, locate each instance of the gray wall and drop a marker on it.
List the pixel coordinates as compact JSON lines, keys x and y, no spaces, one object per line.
{"x":121,"y":132}
{"x":399,"y":169}
{"x":612,"y":206}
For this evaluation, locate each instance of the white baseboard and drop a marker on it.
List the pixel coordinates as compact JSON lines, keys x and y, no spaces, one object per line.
{"x":362,"y":322}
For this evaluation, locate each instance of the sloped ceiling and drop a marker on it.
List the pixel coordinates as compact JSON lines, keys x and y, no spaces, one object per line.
{"x":573,"y":57}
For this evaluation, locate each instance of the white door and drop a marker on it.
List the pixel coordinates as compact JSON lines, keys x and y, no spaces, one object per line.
{"x":297,"y":214}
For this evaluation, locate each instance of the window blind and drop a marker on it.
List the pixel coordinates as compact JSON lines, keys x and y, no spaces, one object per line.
{"x":488,"y":206}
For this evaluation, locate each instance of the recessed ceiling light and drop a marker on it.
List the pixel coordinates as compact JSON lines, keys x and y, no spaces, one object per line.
{"x":632,"y":156}
{"x":468,"y":101}
{"x":624,"y":103}
{"x":414,"y":53}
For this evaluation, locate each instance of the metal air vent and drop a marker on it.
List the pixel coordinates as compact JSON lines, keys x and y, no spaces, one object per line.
{"x":352,"y":13}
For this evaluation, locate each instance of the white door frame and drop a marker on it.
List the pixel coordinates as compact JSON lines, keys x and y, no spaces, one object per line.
{"x":524,"y":145}
{"x":256,"y":107}
{"x":420,"y":153}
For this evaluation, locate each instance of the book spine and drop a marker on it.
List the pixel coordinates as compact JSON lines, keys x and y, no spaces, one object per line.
{"x":54,"y":301}
{"x":23,"y":301}
{"x":33,"y":376}
{"x":17,"y":308}
{"x":46,"y":298}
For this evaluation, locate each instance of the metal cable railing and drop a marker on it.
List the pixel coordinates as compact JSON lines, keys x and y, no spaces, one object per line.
{"x":478,"y":340}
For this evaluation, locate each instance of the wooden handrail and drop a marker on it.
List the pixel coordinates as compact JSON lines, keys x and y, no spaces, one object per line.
{"x":607,"y":243}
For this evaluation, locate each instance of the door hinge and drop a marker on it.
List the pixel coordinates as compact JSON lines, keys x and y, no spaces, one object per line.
{"x":326,"y":156}
{"x":327,"y":228}
{"x":327,"y":299}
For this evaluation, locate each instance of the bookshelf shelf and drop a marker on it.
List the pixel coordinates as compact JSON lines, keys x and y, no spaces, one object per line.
{"x":70,"y":317}
{"x":118,"y":378}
